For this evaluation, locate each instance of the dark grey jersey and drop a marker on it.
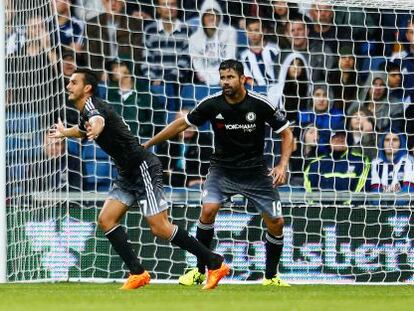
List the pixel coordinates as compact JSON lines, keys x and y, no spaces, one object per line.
{"x":239,"y":129}
{"x":116,"y":139}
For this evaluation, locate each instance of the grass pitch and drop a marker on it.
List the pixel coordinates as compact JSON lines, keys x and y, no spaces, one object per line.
{"x":160,"y":297}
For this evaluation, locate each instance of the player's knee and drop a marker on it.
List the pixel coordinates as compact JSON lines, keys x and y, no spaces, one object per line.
{"x":279,"y":222}
{"x":161,"y":230}
{"x":275,"y":226}
{"x":208,"y":213}
{"x":105,"y":223}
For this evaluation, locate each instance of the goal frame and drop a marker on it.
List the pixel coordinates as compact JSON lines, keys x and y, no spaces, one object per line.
{"x":3,"y":229}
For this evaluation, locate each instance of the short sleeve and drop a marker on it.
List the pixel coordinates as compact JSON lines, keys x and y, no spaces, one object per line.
{"x":93,"y":113}
{"x":277,"y":120}
{"x":90,"y":110}
{"x":200,"y":114}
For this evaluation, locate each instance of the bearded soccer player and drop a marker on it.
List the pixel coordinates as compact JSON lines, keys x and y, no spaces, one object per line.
{"x":139,"y":181}
{"x":238,"y":119}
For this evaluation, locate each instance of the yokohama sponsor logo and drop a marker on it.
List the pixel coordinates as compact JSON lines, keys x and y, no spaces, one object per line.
{"x":244,"y":127}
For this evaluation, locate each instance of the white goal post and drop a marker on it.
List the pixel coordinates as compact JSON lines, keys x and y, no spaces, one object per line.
{"x":3,"y":223}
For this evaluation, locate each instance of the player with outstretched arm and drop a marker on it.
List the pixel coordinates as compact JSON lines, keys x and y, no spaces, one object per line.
{"x":139,"y":181}
{"x":238,"y":118}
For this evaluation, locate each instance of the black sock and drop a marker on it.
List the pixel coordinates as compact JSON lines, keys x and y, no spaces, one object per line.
{"x":274,"y":246}
{"x":205,"y":233}
{"x":181,"y":238}
{"x":119,"y":240}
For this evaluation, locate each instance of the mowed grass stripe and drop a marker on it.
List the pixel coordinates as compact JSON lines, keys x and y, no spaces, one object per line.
{"x":160,"y":297}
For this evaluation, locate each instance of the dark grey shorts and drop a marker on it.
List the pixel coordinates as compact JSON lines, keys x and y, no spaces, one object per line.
{"x":146,"y":190}
{"x":254,"y":185}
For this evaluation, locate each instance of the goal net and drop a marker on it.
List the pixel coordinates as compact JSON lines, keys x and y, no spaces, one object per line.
{"x":341,"y":71}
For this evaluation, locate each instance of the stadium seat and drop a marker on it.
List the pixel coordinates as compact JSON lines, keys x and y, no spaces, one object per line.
{"x":22,"y":122}
{"x":166,"y":95}
{"x":74,"y":147}
{"x":16,"y":172}
{"x":97,"y":175}
{"x":193,"y":23}
{"x":191,"y":94}
{"x":91,"y":151}
{"x":261,"y":89}
{"x":188,"y":96}
{"x":242,"y":41}
{"x":23,"y":136}
{"x":25,"y":148}
{"x":97,"y":167}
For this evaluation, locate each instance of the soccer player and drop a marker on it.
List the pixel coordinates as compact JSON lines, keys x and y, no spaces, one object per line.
{"x":238,"y":118}
{"x":139,"y":181}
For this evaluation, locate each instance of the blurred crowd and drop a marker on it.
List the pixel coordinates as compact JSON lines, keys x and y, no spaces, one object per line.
{"x":344,"y":76}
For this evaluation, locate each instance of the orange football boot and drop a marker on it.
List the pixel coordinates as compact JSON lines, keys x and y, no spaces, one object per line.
{"x":137,"y":280}
{"x":214,"y":276}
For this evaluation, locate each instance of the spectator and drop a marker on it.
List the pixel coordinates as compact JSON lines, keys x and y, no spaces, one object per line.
{"x":38,"y":41}
{"x":393,"y":170}
{"x":88,"y":9}
{"x":35,"y":61}
{"x":54,"y":149}
{"x":387,"y":110}
{"x":186,"y":158}
{"x":362,"y":138}
{"x":393,"y":25}
{"x":401,"y":96}
{"x":318,"y":58}
{"x":394,"y":83}
{"x":324,"y":117}
{"x":364,"y":23}
{"x":71,"y":29}
{"x":310,"y":138}
{"x":324,"y":30}
{"x":14,"y":32}
{"x":62,"y":172}
{"x":282,"y":13}
{"x":132,"y":100}
{"x":237,"y":11}
{"x":292,"y":95}
{"x":113,"y":34}
{"x":260,"y":57}
{"x":342,"y":170}
{"x":142,"y":9}
{"x":409,"y":126}
{"x":292,"y":92}
{"x":344,"y":81}
{"x":167,"y":61}
{"x":406,"y":62}
{"x":305,"y":151}
{"x":213,"y":42}
{"x":69,"y":66}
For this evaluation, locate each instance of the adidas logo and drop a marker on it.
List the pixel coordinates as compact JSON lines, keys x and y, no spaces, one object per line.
{"x":219,"y":116}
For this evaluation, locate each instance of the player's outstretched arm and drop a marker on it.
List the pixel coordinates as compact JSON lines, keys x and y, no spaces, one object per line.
{"x":59,"y":131}
{"x":171,"y":130}
{"x":94,"y":127}
{"x":279,"y":172}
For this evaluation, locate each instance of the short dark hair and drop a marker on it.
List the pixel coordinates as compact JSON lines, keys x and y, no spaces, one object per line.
{"x":391,"y":66}
{"x":89,"y":77}
{"x":252,"y":20}
{"x":298,"y":19}
{"x":232,"y":64}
